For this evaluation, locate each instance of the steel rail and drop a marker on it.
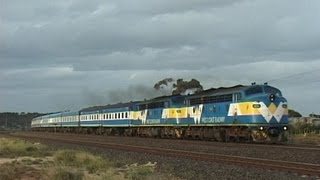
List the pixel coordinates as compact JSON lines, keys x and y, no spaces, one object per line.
{"x":293,"y":167}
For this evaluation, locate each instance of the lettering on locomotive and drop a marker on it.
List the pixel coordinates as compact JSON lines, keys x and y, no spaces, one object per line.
{"x":213,"y":120}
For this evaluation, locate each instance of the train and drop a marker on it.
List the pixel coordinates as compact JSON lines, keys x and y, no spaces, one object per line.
{"x":241,"y":113}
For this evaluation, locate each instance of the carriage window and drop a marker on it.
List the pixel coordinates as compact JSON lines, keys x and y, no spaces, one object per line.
{"x":253,"y":90}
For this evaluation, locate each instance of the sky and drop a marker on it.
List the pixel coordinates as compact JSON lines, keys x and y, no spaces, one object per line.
{"x":70,"y":54}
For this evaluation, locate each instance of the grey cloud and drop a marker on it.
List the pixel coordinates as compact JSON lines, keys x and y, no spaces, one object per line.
{"x":217,"y":33}
{"x":78,"y":53}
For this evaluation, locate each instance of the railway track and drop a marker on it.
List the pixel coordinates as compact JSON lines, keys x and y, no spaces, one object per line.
{"x":195,"y":142}
{"x":287,"y":166}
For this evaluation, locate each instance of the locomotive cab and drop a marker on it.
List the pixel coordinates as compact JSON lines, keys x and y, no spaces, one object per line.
{"x":270,"y":113}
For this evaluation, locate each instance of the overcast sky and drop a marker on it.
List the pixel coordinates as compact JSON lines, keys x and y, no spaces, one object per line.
{"x":69,"y":54}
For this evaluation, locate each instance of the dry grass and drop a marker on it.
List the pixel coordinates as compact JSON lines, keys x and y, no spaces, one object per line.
{"x":313,"y":139}
{"x":137,"y":172}
{"x":17,"y":170}
{"x":30,"y":162}
{"x":65,"y":173}
{"x":16,"y":148}
{"x":81,"y":159}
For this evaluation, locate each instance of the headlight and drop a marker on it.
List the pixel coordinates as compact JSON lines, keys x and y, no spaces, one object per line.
{"x":272,"y":97}
{"x":285,"y":128}
{"x":256,"y":105}
{"x":261,"y":128}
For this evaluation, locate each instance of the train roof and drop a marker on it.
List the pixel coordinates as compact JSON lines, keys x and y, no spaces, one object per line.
{"x":160,"y":99}
{"x":163,"y":98}
{"x":221,"y":90}
{"x":109,"y":106}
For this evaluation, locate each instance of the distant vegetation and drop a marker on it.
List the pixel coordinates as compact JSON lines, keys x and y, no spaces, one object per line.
{"x":293,"y":113}
{"x":303,"y":125}
{"x":14,"y":120}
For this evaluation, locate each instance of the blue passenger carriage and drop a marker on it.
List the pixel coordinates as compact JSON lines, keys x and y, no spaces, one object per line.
{"x":108,"y":119}
{"x":47,"y":122}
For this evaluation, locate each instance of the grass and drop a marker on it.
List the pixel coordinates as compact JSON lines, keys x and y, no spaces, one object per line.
{"x":17,"y":170}
{"x":81,"y":159}
{"x":16,"y":147}
{"x":39,"y":162}
{"x":62,"y":173}
{"x":311,"y":139}
{"x":137,"y":172}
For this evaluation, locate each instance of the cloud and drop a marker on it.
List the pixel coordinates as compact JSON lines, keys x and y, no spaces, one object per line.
{"x":76,"y":53}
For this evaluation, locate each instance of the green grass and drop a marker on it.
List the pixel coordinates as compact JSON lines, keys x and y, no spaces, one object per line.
{"x":16,"y":147}
{"x":81,"y":159}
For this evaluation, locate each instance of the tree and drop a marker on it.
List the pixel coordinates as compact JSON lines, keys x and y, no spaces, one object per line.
{"x":164,"y":82}
{"x":178,"y":87}
{"x":182,"y":86}
{"x":293,"y":113}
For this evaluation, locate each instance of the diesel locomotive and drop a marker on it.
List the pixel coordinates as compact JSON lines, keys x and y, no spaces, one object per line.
{"x":251,"y":113}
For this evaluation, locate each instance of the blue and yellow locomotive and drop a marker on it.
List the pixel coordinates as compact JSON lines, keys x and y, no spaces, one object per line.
{"x":255,"y":113}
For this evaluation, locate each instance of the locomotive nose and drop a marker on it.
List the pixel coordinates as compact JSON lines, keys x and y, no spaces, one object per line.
{"x":273,"y":132}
